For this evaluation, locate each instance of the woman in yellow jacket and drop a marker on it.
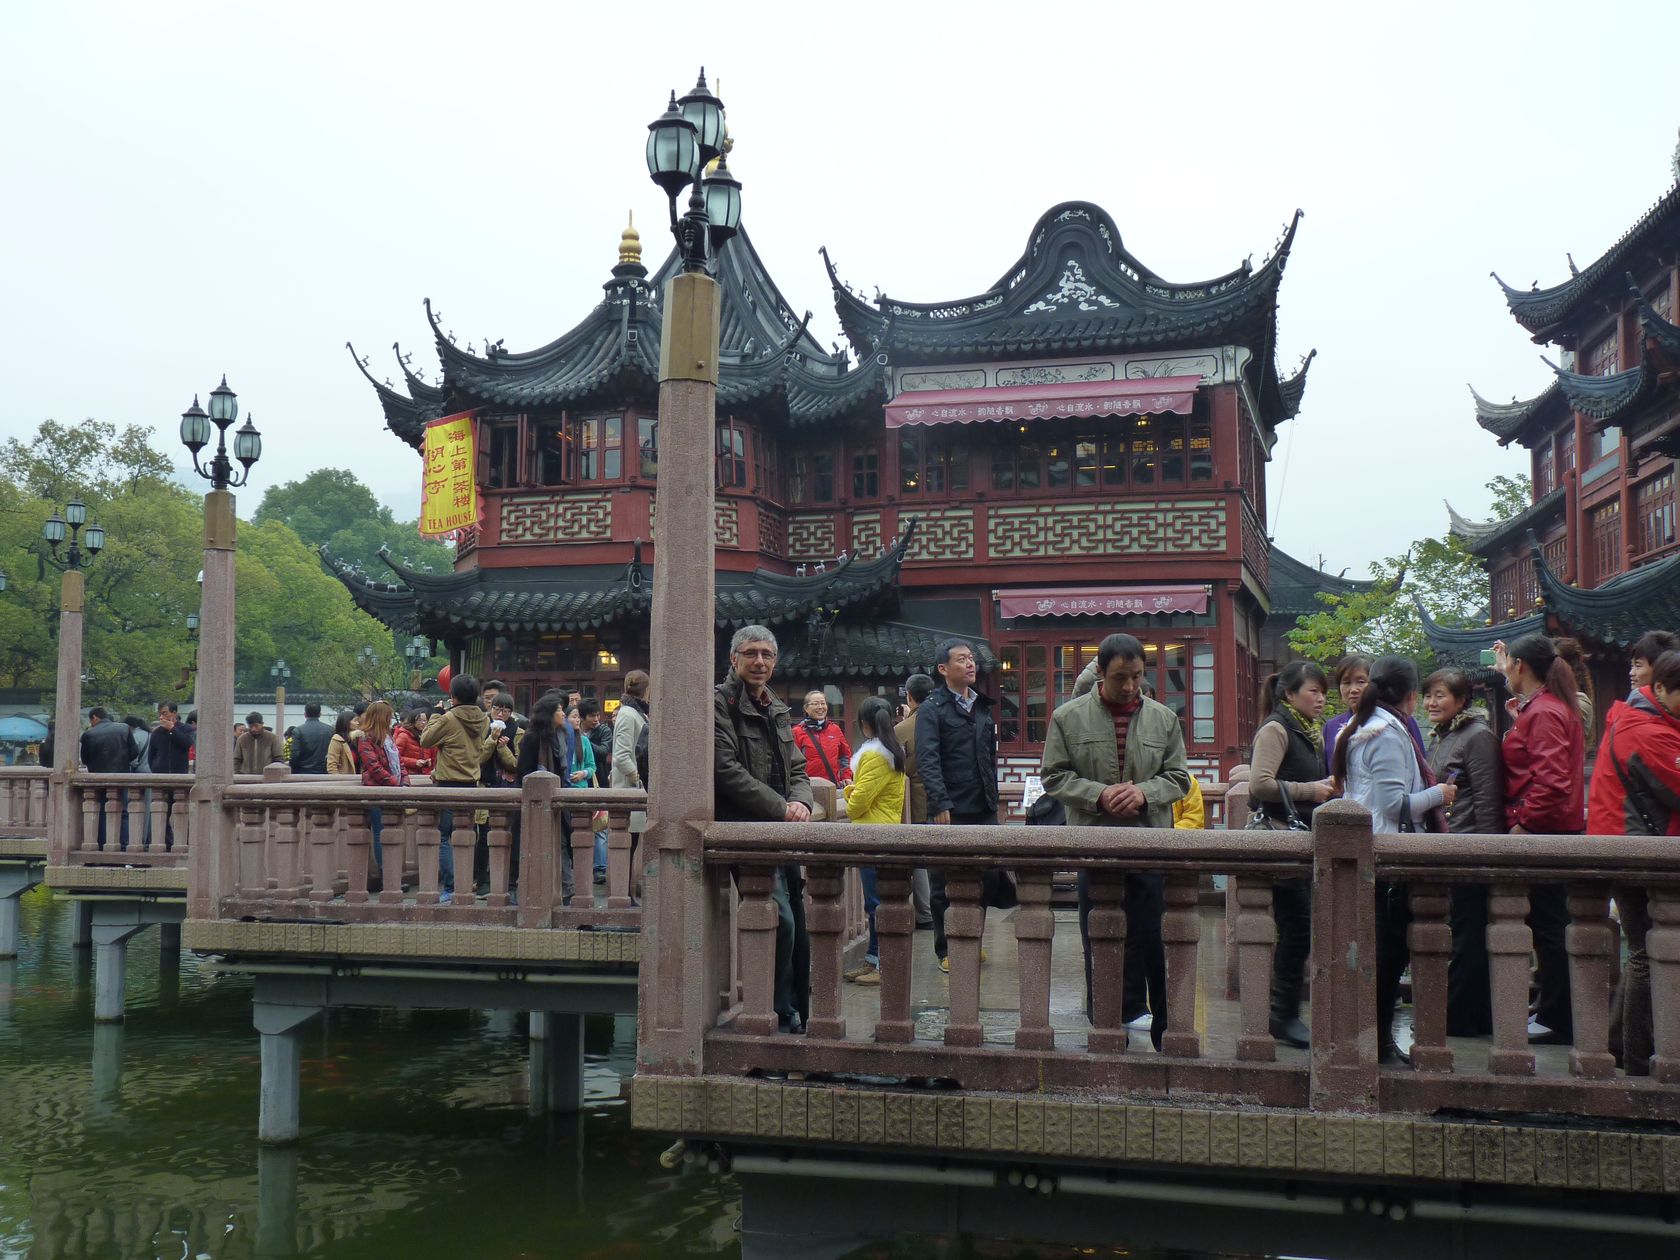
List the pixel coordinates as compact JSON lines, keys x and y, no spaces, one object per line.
{"x":875,"y":795}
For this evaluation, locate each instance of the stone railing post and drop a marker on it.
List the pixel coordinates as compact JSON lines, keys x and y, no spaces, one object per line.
{"x":895,"y":923}
{"x":825,"y":921}
{"x":1510,"y":946}
{"x":1430,"y":939}
{"x":539,"y":850}
{"x":1253,"y":934}
{"x":1035,"y":931}
{"x":1107,"y":926}
{"x":213,"y":828}
{"x":1181,"y":930}
{"x":1591,"y":944}
{"x":64,"y":817}
{"x":1344,"y":951}
{"x":1662,"y":947}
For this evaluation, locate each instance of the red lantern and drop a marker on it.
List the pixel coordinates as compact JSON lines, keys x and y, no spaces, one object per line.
{"x":444,"y":675}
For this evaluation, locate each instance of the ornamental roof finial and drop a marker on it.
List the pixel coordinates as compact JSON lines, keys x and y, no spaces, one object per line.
{"x":630,"y":243}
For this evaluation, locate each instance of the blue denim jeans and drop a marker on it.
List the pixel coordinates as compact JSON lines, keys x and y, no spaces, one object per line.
{"x":600,"y":852}
{"x":376,"y":822}
{"x":870,"y":901}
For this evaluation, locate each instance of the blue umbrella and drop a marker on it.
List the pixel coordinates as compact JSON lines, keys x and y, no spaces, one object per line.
{"x":18,"y":729}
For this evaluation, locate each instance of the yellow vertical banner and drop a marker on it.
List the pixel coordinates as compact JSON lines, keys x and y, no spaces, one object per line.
{"x":449,"y":487}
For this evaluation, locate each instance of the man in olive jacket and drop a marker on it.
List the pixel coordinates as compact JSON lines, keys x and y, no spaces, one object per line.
{"x":760,"y":777}
{"x":1115,"y":758}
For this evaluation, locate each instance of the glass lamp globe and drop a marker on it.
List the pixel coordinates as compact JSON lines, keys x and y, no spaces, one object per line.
{"x":247,"y":444}
{"x":195,"y":427}
{"x":673,"y":150}
{"x":224,"y":405}
{"x":53,"y":531}
{"x":705,"y":111}
{"x":723,"y":202}
{"x":95,"y":539}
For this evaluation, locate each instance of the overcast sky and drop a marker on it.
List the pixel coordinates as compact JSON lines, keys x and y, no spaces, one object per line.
{"x":193,"y":189}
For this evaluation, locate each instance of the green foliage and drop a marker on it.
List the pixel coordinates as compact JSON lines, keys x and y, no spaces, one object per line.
{"x":331,"y":508}
{"x":1440,"y":572}
{"x":144,"y":583}
{"x":1511,"y":495}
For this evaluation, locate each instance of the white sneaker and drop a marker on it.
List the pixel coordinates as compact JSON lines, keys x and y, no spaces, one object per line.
{"x":1537,"y":1029}
{"x":1143,"y":1023}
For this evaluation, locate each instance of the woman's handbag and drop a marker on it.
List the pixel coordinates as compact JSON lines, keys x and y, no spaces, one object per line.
{"x":1260,"y":820}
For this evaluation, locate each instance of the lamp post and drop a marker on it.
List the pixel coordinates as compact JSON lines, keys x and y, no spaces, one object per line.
{"x":84,"y":543}
{"x":281,"y":673}
{"x":678,"y":1001}
{"x":416,"y":651}
{"x":368,"y":657}
{"x":214,"y":698}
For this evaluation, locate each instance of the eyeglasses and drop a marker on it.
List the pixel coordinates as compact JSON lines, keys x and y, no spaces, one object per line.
{"x":758,"y":654}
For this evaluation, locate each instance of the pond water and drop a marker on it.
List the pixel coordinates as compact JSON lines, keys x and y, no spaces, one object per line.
{"x":139,"y":1140}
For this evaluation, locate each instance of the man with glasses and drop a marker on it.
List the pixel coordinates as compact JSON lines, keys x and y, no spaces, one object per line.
{"x":761,"y":778}
{"x":956,"y":757}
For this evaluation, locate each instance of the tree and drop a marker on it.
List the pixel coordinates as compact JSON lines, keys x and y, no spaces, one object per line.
{"x":1441,"y":573}
{"x":331,"y":508}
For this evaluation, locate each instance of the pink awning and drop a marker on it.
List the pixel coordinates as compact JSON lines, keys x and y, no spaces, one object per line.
{"x":1044,"y":402}
{"x":1100,"y":601}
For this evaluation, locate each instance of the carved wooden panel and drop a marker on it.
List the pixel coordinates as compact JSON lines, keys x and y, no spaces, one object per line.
{"x":557,"y":518}
{"x":943,"y":534}
{"x":866,"y":533}
{"x":772,"y":531}
{"x":1048,"y":530}
{"x":1257,"y":552}
{"x":811,"y":536}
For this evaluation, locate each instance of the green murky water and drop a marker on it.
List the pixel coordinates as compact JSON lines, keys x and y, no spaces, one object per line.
{"x":139,"y":1140}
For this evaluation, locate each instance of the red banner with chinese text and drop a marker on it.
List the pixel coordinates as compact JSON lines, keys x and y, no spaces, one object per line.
{"x":448,"y":487}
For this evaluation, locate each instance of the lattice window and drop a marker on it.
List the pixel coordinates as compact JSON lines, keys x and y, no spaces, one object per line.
{"x":1604,"y":529}
{"x":1653,"y":514}
{"x":866,"y":473}
{"x":731,"y":456}
{"x":647,"y":447}
{"x":1544,"y":470}
{"x":1566,"y":452}
{"x":1601,"y":357}
{"x":931,"y":465}
{"x":1507,"y":591}
{"x":1662,"y":300}
{"x":1557,"y":554}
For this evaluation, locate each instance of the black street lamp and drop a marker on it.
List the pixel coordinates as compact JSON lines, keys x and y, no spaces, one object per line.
{"x":416,"y":651}
{"x":57,"y":528}
{"x":682,"y":143}
{"x":3,"y":579}
{"x":195,"y":435}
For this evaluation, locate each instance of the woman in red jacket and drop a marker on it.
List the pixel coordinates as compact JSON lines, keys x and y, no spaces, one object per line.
{"x":828,"y":755}
{"x":415,"y":759}
{"x":381,"y":765}
{"x":1545,"y":766}
{"x":1636,"y":792}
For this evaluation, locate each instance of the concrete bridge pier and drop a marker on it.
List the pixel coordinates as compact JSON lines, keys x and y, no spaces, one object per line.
{"x":280,"y":1026}
{"x":16,"y":878}
{"x":556,"y":1062}
{"x":106,"y":1088}
{"x":81,"y":930}
{"x":115,"y":923}
{"x":277,"y":1201}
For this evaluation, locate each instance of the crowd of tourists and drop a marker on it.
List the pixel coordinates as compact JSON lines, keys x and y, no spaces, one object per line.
{"x":1113,"y":756}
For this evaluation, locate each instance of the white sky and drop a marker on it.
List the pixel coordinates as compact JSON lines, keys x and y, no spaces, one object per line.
{"x":191,"y":189}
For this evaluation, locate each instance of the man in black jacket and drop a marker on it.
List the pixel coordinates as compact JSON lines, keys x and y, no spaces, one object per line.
{"x":309,"y":743}
{"x":107,"y":747}
{"x":171,"y":742}
{"x":956,"y":757}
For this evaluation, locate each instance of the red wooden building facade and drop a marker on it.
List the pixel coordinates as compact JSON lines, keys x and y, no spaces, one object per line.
{"x":1077,"y":449}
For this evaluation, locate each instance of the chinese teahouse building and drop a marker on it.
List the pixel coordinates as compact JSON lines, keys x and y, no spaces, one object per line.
{"x":1079,"y":448}
{"x":1595,"y":555}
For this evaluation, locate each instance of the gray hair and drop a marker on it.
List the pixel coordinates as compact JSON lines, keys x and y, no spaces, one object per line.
{"x":752,"y":634}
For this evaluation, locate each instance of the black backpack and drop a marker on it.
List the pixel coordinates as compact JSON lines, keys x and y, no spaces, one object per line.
{"x":642,"y":754}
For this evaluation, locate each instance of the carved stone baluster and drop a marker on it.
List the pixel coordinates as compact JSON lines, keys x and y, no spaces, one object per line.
{"x":1035,"y":932}
{"x":391,"y":857}
{"x":825,"y":922}
{"x":89,"y":839}
{"x":1662,"y":947}
{"x":720,"y":928}
{"x":411,"y":847}
{"x":426,"y":845}
{"x":283,"y":882}
{"x":500,"y":843}
{"x":619,"y":875}
{"x":180,"y":822}
{"x":134,"y":811}
{"x":157,"y":818}
{"x":583,"y":859}
{"x":327,"y":835}
{"x":1430,"y":940}
{"x":112,"y":810}
{"x":1106,"y":925}
{"x":253,"y":852}
{"x":895,"y":925}
{"x":1592,"y":956}
{"x":1181,"y":930}
{"x":1510,"y":945}
{"x":462,"y":841}
{"x":358,"y":852}
{"x":1255,"y":937}
{"x":964,"y":921}
{"x":758,"y":951}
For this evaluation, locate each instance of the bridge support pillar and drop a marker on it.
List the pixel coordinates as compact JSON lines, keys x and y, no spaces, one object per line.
{"x":110,"y":969}
{"x":169,"y":938}
{"x":556,"y":1062}
{"x":106,"y":1069}
{"x":81,"y":932}
{"x":281,"y":1030}
{"x":277,"y":1192}
{"x":16,"y":878}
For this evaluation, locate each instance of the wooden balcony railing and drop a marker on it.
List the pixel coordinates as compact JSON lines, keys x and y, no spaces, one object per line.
{"x":23,"y":802}
{"x":1340,"y":1073}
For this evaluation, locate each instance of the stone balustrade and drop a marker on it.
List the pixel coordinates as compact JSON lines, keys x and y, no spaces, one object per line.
{"x":124,"y":819}
{"x":23,"y":802}
{"x":1022,"y":1052}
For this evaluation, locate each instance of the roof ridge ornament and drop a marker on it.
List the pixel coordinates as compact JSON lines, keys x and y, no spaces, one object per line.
{"x":1073,"y":289}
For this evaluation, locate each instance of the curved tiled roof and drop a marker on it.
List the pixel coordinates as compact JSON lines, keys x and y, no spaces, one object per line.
{"x":1486,"y":537}
{"x":874,"y":649}
{"x":1543,"y":311}
{"x":1295,"y":585}
{"x":1506,"y":421}
{"x":565,"y":598}
{"x":1078,"y":289}
{"x":1622,"y":609}
{"x":1460,"y":647}
{"x":1607,"y":398}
